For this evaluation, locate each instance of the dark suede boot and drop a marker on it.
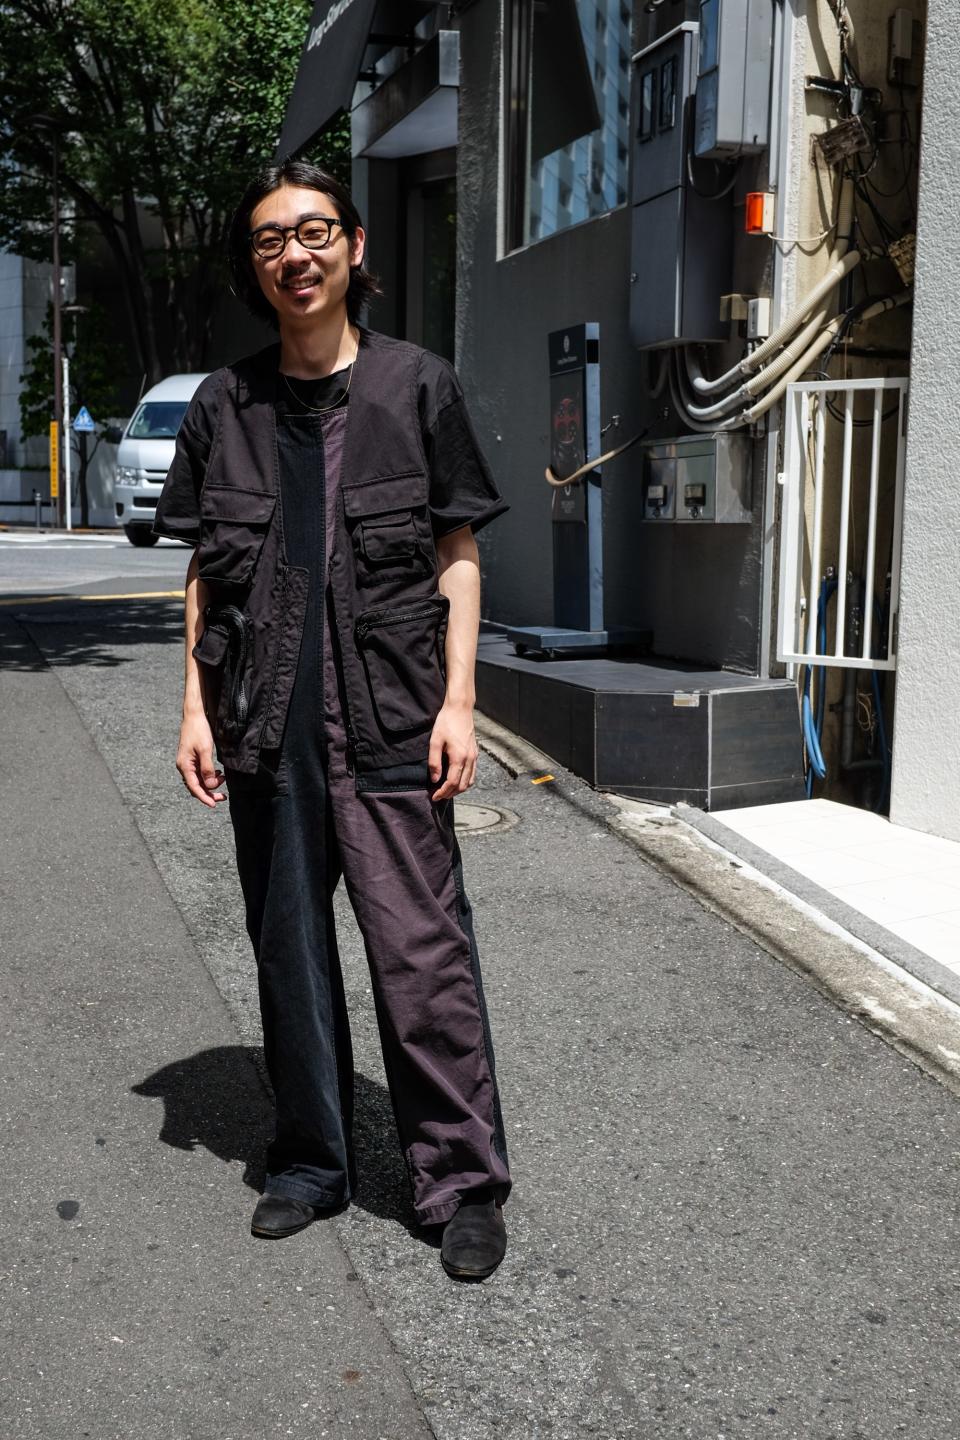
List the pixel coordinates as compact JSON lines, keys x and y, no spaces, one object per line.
{"x":474,"y":1238}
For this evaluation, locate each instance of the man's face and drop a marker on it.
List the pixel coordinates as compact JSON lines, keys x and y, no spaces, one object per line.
{"x":302,"y":283}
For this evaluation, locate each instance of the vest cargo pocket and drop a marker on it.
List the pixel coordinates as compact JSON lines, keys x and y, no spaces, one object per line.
{"x":402,"y":650}
{"x":233,"y":526}
{"x":226,"y":648}
{"x":390,"y":529}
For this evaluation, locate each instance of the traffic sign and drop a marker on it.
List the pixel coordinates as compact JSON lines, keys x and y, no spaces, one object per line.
{"x":84,"y":424}
{"x":54,"y":460}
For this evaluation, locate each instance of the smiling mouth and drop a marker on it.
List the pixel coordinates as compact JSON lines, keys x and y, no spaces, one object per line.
{"x":301,"y":283}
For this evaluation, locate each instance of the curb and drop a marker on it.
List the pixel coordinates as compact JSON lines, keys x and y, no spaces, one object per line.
{"x":921,"y":1023}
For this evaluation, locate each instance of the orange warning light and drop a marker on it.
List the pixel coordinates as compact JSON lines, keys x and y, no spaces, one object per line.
{"x":759,"y":212}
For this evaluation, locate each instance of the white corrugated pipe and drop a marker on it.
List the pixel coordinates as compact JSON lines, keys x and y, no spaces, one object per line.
{"x":816,"y":350}
{"x":797,"y":347}
{"x":841,"y":265}
{"x":802,"y":357}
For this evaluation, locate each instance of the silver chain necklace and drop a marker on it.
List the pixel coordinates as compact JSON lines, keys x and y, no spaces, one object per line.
{"x":320,"y":409}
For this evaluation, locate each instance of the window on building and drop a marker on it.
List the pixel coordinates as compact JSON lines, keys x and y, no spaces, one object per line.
{"x":567,"y":117}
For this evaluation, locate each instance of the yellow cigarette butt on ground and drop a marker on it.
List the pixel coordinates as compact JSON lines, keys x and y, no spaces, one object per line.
{"x":541,"y":780}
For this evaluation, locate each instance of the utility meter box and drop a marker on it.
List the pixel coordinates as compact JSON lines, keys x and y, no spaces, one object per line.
{"x":733,"y":78}
{"x":681,"y":236}
{"x":698,"y":479}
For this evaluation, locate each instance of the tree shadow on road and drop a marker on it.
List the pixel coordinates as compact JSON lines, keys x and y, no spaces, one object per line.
{"x":217,"y":1099}
{"x":87,"y":632}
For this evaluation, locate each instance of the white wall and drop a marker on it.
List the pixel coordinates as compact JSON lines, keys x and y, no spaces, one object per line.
{"x":926,"y":746}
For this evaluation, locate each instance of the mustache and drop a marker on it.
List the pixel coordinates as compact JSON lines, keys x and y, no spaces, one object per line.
{"x":299,"y":273}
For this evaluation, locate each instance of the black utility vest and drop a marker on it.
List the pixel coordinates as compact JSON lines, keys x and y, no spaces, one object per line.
{"x":390,"y":618}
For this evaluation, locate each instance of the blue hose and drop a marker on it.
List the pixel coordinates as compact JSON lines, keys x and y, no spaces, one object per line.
{"x":880,"y":613}
{"x":813,"y":728}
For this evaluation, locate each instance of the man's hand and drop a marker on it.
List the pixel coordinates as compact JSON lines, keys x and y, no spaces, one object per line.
{"x":195,"y":761}
{"x":453,"y":735}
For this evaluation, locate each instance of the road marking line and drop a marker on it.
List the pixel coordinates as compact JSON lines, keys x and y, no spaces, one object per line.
{"x":134,"y":595}
{"x":60,"y":538}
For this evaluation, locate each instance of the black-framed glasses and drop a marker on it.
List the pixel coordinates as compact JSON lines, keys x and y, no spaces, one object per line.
{"x":313,"y":232}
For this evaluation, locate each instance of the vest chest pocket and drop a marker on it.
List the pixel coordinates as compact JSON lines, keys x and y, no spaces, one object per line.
{"x":402,"y":650}
{"x":233,"y":525}
{"x":390,"y":528}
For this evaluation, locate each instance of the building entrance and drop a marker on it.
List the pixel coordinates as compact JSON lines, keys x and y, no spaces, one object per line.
{"x":430,"y":235}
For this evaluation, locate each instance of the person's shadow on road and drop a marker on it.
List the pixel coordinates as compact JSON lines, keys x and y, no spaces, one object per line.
{"x":217,"y":1099}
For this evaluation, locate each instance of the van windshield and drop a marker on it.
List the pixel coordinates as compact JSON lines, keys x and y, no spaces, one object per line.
{"x":157,"y":420}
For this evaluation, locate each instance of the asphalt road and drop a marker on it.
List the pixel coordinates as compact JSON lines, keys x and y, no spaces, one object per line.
{"x":34,"y":562}
{"x":735,"y":1209}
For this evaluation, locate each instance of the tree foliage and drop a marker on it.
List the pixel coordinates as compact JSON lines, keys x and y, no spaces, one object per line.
{"x":164,"y":109}
{"x":94,"y":368}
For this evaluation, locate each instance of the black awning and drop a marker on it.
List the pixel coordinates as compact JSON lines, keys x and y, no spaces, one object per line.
{"x":564,"y":103}
{"x":328,"y":70}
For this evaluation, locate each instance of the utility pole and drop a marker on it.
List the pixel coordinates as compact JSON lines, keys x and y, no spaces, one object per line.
{"x":55,"y":125}
{"x":57,"y":327}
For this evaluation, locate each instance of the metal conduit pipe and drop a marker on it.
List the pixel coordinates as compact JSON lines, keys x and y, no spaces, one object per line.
{"x":774,"y":370}
{"x":680,"y":405}
{"x":843,"y":261}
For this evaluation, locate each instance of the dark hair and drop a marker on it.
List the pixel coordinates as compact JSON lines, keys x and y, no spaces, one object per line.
{"x":363,"y":285}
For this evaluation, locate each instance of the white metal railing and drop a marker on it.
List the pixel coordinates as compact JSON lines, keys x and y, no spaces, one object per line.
{"x":820,"y":512}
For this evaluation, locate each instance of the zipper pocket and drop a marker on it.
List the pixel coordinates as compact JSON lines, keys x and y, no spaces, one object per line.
{"x":378,"y":619}
{"x":402,"y":652}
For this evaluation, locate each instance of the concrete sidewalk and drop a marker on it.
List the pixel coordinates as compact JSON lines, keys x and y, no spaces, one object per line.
{"x":734,"y":1211}
{"x":898,"y":889}
{"x":136,"y":1304}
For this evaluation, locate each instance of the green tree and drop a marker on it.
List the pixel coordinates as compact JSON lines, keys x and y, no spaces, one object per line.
{"x":94,"y":367}
{"x":163,"y":110}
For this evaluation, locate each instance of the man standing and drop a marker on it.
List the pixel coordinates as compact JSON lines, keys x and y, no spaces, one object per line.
{"x":332,"y":485}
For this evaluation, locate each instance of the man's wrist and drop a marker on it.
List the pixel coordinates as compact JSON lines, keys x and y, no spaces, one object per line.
{"x":460,"y":700}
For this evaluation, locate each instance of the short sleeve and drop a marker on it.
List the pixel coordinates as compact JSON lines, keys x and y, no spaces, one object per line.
{"x":462,"y":488}
{"x":178,"y":508}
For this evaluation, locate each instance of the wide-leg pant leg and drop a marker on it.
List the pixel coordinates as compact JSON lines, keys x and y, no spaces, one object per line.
{"x":288,"y":865}
{"x":401,"y":864}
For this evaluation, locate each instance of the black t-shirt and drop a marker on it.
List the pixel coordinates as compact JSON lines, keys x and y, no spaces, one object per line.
{"x":462,"y":488}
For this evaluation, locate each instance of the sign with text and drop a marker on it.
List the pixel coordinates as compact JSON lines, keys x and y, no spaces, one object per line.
{"x":568,"y":360}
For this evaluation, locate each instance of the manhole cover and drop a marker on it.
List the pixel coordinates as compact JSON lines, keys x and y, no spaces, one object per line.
{"x":471,"y":819}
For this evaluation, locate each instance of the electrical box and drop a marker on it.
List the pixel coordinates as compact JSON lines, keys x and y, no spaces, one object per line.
{"x":905,"y":52}
{"x":681,"y":237}
{"x":733,"y":78}
{"x":699,"y":479}
{"x":758,"y":318}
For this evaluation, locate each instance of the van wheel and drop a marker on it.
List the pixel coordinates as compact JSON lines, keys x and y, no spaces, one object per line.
{"x":140,"y":535}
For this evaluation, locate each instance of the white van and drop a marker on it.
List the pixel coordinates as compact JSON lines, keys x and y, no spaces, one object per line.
{"x":146,"y":453}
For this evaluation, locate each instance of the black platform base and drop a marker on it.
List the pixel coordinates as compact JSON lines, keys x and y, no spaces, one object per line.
{"x":656,"y":730}
{"x":551,"y":639}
